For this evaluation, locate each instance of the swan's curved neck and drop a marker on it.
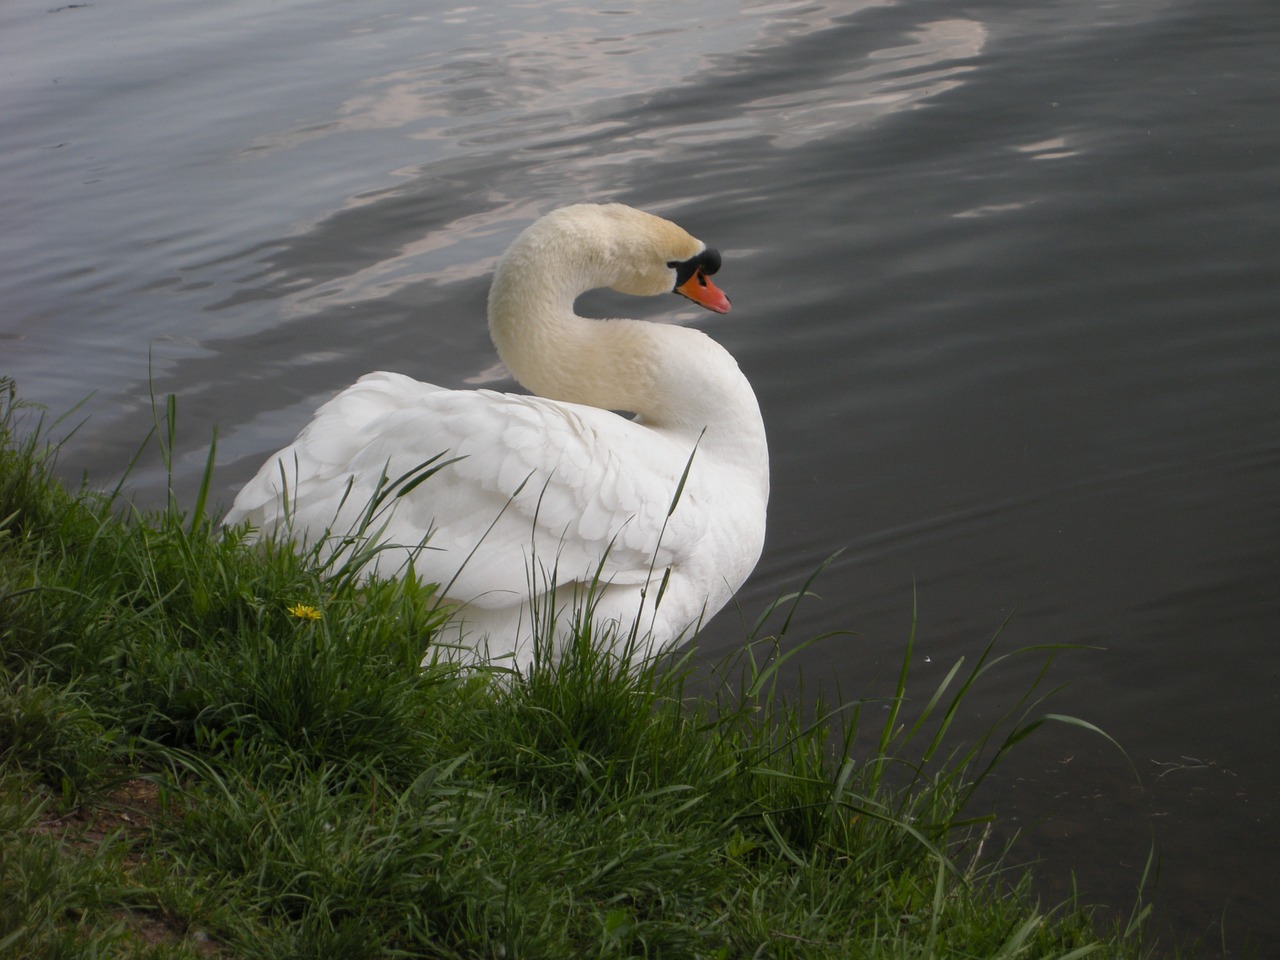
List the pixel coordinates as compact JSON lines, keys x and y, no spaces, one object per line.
{"x":549,"y":349}
{"x":673,"y":378}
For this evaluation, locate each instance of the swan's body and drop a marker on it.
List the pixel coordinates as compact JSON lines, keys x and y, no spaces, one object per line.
{"x":552,"y":493}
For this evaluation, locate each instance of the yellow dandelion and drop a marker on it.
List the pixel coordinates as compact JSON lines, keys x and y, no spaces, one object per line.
{"x":304,"y":611}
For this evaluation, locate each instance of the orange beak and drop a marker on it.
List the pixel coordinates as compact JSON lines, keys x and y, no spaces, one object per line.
{"x":703,"y":292}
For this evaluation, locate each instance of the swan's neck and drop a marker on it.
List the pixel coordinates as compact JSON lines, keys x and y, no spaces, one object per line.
{"x":675,"y":379}
{"x":553,"y":352}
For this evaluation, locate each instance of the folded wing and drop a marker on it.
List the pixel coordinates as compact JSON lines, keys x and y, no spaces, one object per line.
{"x":530,"y":484}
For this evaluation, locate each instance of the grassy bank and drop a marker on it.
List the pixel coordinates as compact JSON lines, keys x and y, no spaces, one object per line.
{"x":209,"y":750}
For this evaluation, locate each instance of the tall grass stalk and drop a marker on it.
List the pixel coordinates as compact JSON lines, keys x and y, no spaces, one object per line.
{"x":208,"y":748}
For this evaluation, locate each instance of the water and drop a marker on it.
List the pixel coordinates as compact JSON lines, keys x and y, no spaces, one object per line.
{"x":1004,"y":278}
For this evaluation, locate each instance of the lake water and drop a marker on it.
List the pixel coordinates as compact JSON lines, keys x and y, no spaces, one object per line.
{"x":1006,"y":278}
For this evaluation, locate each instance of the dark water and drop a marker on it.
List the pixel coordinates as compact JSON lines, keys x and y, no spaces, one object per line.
{"x":1005,"y":277}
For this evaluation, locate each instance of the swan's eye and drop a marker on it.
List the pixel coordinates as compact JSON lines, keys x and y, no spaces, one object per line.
{"x":708,"y":261}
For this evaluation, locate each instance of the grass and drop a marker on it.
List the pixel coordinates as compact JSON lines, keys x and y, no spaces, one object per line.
{"x":208,"y":749}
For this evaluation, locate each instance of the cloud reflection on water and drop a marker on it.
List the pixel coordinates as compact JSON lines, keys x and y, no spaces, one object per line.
{"x":575,"y":113}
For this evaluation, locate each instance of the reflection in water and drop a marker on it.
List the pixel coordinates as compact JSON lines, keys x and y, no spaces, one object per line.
{"x":1055,"y":148}
{"x":416,"y":261}
{"x":568,"y":98}
{"x":894,"y":79}
{"x":519,"y":69}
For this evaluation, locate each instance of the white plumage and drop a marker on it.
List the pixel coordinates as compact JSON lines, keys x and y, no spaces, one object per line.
{"x":545,"y":495}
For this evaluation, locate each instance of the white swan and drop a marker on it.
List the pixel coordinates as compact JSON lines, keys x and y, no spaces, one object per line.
{"x":551,"y":493}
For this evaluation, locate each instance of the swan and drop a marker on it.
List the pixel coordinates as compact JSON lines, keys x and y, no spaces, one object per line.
{"x":542,"y":502}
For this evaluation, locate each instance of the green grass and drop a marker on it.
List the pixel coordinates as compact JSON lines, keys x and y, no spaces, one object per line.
{"x":190,"y":766}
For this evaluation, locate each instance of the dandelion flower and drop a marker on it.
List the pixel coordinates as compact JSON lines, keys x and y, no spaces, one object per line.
{"x":304,"y":611}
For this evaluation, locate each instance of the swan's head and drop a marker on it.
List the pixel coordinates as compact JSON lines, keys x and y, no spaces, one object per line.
{"x":659,"y":371}
{"x":638,"y":253}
